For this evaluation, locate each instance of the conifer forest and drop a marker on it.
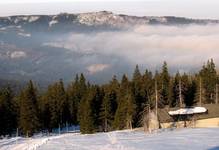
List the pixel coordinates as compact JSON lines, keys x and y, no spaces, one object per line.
{"x":115,"y":105}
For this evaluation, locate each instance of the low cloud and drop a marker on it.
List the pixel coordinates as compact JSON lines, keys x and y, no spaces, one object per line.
{"x":183,"y":47}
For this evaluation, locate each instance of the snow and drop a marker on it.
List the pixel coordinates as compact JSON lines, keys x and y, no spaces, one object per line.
{"x":18,"y":54}
{"x":99,"y":18}
{"x":166,"y":139}
{"x":25,"y":143}
{"x":188,"y":111}
{"x":18,"y":19}
{"x":52,"y":22}
{"x":3,"y":28}
{"x":33,"y":18}
{"x":24,"y":34}
{"x":116,"y":20}
{"x":9,"y":27}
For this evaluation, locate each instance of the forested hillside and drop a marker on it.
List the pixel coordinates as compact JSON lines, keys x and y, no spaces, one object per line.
{"x":111,"y":106}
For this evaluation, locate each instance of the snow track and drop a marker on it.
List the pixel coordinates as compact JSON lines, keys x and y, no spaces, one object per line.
{"x":177,"y":139}
{"x":25,"y":143}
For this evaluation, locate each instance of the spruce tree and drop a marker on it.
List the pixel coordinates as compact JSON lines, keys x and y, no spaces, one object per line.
{"x":148,"y":87}
{"x":137,"y":92}
{"x":200,"y":91}
{"x":112,"y":93}
{"x":131,"y":109}
{"x":81,"y":87}
{"x":45,"y":112}
{"x":125,"y":112}
{"x":87,"y":120}
{"x":106,"y":114}
{"x":7,"y":112}
{"x":120,"y":115}
{"x":190,"y":93}
{"x":109,"y":104}
{"x":29,"y":121}
{"x":174,"y":101}
{"x":209,"y":79}
{"x":165,"y":82}
{"x":73,"y":102}
{"x":96,"y":105}
{"x":58,"y":105}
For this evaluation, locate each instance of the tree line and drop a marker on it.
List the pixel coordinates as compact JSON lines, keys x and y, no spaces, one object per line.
{"x":112,"y":106}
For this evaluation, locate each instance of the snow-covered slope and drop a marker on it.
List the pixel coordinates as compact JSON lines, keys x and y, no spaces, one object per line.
{"x":178,"y":139}
{"x":26,"y":143}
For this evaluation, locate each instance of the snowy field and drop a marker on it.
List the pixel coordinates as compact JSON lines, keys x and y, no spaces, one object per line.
{"x":177,"y":139}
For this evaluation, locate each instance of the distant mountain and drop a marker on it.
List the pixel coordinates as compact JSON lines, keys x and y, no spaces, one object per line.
{"x":31,"y":47}
{"x":87,"y":21}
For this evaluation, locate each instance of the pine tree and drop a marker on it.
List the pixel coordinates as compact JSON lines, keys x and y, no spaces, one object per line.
{"x":29,"y":121}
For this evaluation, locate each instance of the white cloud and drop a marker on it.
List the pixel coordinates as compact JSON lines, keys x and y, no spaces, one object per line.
{"x":182,"y":47}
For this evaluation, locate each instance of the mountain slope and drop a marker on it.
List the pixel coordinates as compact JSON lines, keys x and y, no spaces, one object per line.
{"x":99,"y":44}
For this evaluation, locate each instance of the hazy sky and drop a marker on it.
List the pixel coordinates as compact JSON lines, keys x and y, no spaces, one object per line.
{"x":187,"y":8}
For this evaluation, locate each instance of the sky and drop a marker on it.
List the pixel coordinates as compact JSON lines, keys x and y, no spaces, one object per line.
{"x":203,"y":9}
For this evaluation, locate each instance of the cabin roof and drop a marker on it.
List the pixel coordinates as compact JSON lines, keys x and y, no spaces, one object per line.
{"x":213,"y":112}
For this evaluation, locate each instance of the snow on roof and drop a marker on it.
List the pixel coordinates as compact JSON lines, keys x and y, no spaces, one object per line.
{"x":188,"y":111}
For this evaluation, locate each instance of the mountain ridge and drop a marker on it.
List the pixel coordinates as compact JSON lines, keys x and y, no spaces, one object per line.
{"x":94,"y":19}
